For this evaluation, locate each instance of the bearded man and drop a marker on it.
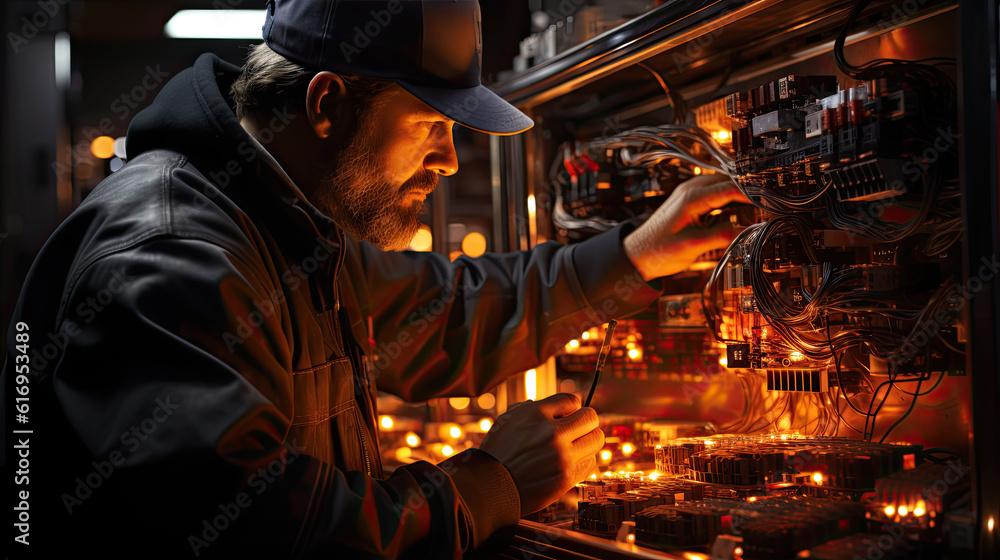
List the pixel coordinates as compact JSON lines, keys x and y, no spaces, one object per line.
{"x":219,"y":300}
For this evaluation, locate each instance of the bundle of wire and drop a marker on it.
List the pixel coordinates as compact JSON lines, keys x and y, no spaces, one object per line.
{"x":806,"y":328}
{"x":937,"y":106}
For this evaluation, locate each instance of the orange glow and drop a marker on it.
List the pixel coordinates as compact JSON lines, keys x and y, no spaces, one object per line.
{"x":474,"y":244}
{"x":386,"y":422}
{"x":902,"y":510}
{"x":697,"y":171}
{"x":627,"y":449}
{"x":605,"y":455}
{"x":486,"y":400}
{"x":103,"y":147}
{"x":455,"y":432}
{"x":890,"y":511}
{"x":422,"y":240}
{"x":485,"y":424}
{"x":412,"y":439}
{"x":630,"y":538}
{"x":459,"y":403}
{"x":818,"y":478}
{"x":447,"y":451}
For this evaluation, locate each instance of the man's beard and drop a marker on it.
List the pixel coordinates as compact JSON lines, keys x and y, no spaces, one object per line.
{"x":359,"y":198}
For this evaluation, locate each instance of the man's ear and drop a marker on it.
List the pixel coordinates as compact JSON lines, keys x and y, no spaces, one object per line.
{"x":328,"y":106}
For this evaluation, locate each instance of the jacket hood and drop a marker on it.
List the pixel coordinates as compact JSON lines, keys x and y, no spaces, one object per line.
{"x":192,"y":114}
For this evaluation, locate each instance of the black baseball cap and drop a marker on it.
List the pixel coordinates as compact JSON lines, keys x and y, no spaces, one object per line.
{"x":431,"y":48}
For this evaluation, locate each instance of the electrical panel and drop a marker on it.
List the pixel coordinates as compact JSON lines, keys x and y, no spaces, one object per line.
{"x":799,"y":393}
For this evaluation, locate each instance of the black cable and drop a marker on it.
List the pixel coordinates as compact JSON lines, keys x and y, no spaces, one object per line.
{"x":903,"y":417}
{"x":676,"y":101}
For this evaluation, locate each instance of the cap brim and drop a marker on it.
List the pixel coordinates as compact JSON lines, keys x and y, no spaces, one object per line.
{"x":477,"y":108}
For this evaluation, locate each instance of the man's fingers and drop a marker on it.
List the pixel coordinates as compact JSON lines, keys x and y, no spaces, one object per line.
{"x":578,"y":424}
{"x":559,"y":405}
{"x":583,"y":467}
{"x":704,"y":196}
{"x":703,"y":240}
{"x":589,"y":444}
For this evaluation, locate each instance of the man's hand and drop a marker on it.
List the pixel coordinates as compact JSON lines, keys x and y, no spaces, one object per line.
{"x":547,"y":446}
{"x":671,"y":239}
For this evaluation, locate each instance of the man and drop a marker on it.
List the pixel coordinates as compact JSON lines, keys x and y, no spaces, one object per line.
{"x":216,"y":304}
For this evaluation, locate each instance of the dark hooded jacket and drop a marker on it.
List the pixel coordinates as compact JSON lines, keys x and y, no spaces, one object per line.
{"x":205,"y":348}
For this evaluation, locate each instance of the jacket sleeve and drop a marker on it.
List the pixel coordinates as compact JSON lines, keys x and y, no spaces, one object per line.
{"x":196,"y":429}
{"x":458,"y":328}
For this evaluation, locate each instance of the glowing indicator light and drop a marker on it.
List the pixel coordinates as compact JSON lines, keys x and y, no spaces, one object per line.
{"x":797,"y":356}
{"x":593,"y":476}
{"x":447,"y":451}
{"x":412,"y":439}
{"x":697,"y":171}
{"x":818,"y":478}
{"x":574,"y":343}
{"x":485,"y":424}
{"x":531,"y":204}
{"x":628,"y":449}
{"x":455,"y":432}
{"x":783,"y":436}
{"x":633,"y":354}
{"x":605,"y":455}
{"x":890,"y":511}
{"x":738,"y":551}
{"x":654,"y":476}
{"x":918,"y":511}
{"x":752,"y":499}
{"x":630,"y":538}
{"x":386,"y":422}
{"x":585,"y":336}
{"x":723,"y":135}
{"x":989,"y":525}
{"x":902,"y":510}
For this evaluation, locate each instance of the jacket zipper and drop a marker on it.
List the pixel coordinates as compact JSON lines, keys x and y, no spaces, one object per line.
{"x":364,"y":445}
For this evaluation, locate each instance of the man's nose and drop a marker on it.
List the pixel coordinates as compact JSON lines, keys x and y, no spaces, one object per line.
{"x":442,"y":159}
